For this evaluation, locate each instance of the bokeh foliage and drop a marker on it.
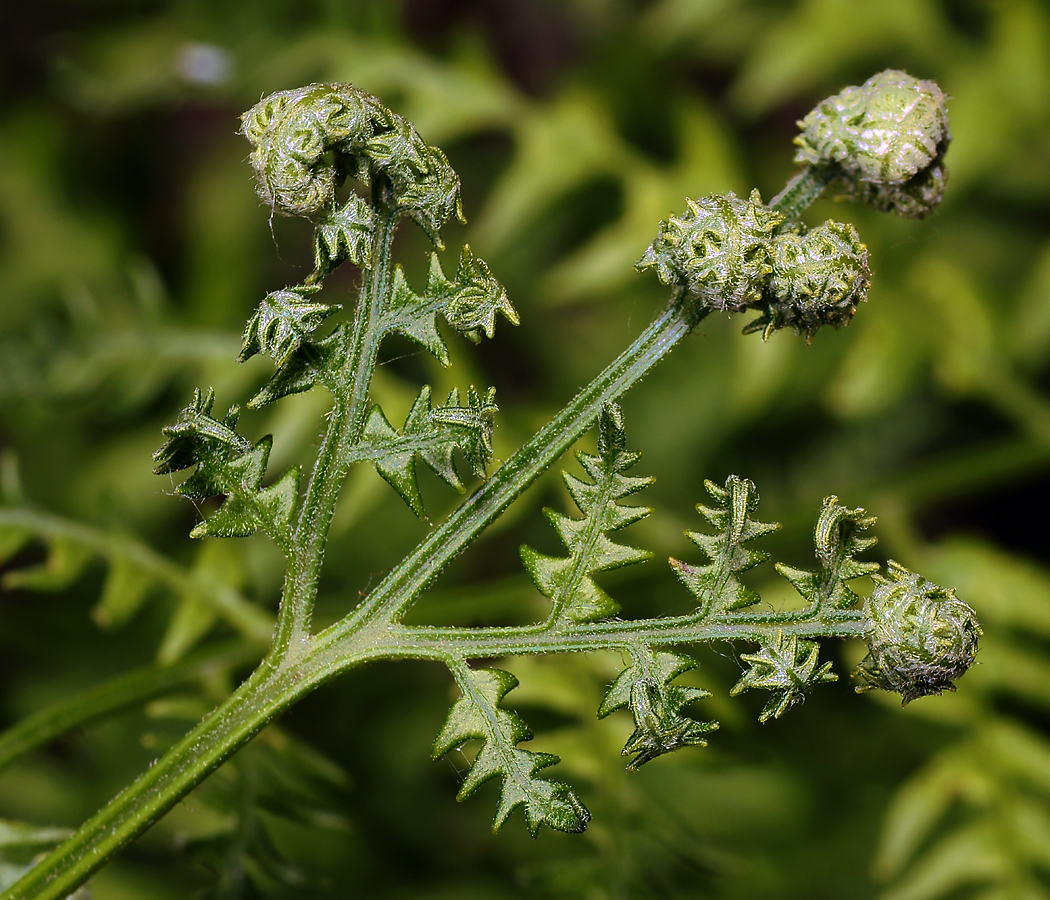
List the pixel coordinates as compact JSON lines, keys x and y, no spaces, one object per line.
{"x":132,"y":247}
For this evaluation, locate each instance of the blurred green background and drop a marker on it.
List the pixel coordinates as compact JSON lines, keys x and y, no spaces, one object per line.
{"x":133,"y":248}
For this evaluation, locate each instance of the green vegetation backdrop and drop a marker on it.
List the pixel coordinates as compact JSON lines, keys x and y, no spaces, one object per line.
{"x":133,"y":246}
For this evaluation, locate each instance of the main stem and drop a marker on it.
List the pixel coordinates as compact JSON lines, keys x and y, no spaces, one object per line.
{"x":258,"y":701}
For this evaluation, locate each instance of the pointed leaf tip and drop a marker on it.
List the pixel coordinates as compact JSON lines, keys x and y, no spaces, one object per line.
{"x":567,"y":581}
{"x":478,"y":715}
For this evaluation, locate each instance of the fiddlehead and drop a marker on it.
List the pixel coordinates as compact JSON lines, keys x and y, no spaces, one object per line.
{"x":920,"y":636}
{"x":307,"y":141}
{"x":882,"y":143}
{"x":729,"y":254}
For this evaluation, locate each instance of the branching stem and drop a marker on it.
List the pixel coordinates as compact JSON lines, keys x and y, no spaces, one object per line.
{"x":399,"y":589}
{"x":297,"y":663}
{"x":402,"y":642}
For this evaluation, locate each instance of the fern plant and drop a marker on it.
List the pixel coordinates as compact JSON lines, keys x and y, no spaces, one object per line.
{"x":336,"y":155}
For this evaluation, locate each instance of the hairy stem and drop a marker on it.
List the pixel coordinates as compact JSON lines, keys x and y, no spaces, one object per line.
{"x":268,"y":692}
{"x":345,"y":425}
{"x":285,"y":677}
{"x":423,"y":642}
{"x":800,"y":192}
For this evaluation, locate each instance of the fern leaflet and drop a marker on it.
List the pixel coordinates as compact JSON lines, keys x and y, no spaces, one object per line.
{"x":787,"y":666}
{"x":470,"y":303}
{"x":716,"y":585}
{"x":432,"y":434}
{"x":567,"y":581}
{"x":838,"y":537}
{"x":477,"y":715}
{"x":231,"y":465}
{"x":656,"y":704}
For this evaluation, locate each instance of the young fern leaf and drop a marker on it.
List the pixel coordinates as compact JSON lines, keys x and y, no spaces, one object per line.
{"x":645,"y":688}
{"x":311,"y":363}
{"x":838,"y":537}
{"x":282,"y":322}
{"x":477,"y":715}
{"x":473,"y":299}
{"x":431,"y":434}
{"x":787,"y":666}
{"x":469,"y":303}
{"x":716,"y":585}
{"x":343,"y":235}
{"x":567,"y":581}
{"x":231,"y":465}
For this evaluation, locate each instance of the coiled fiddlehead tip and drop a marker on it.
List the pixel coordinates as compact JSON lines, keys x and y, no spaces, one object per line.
{"x":717,"y":251}
{"x":735,"y":255}
{"x":819,"y":278}
{"x":307,"y":141}
{"x":887,"y":137}
{"x":920,"y":636}
{"x":293,"y":134}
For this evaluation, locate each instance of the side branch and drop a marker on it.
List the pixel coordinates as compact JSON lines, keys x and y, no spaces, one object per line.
{"x":426,"y":642}
{"x":400,"y":588}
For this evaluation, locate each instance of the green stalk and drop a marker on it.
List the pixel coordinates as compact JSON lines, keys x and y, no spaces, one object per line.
{"x":489,"y":643}
{"x":232,"y":724}
{"x":264,"y":696}
{"x":803,"y":188}
{"x":345,"y":425}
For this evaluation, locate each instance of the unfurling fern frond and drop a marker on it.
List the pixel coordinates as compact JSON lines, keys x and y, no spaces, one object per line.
{"x":282,"y":322}
{"x":297,"y":135}
{"x":478,"y":715}
{"x":432,"y":434}
{"x":656,"y":704}
{"x":228,"y":464}
{"x":470,"y":303}
{"x":716,"y":585}
{"x":566,"y":581}
{"x":788,"y":667}
{"x":838,"y":537}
